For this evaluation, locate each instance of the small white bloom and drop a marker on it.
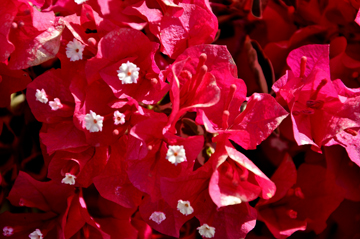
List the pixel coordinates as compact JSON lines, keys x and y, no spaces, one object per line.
{"x":128,"y":73}
{"x":93,"y":122}
{"x":157,"y":217}
{"x":184,"y":207}
{"x":80,"y":1}
{"x":56,"y":104}
{"x":119,"y":118}
{"x":176,"y":154}
{"x":36,"y":234}
{"x":206,"y":231}
{"x":8,"y":231}
{"x":69,"y":179}
{"x":74,"y":49}
{"x":41,"y":96}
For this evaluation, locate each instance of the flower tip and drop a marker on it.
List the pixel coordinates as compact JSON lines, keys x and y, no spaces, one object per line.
{"x":91,"y":41}
{"x":203,"y":57}
{"x":157,"y":217}
{"x":303,"y":65}
{"x":14,"y":25}
{"x":154,"y":81}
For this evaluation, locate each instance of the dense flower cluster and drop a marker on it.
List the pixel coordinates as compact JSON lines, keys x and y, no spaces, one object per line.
{"x":147,"y":127}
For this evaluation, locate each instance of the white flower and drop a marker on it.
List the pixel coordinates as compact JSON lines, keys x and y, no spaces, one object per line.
{"x":119,"y":118}
{"x":56,"y":104}
{"x":176,"y":154}
{"x":74,"y":50}
{"x":41,"y":96}
{"x":93,"y":122}
{"x":128,"y":73}
{"x":157,"y":217}
{"x":8,"y":231}
{"x":184,"y":207}
{"x":36,"y":234}
{"x":206,"y":231}
{"x":80,"y":1}
{"x":69,"y":179}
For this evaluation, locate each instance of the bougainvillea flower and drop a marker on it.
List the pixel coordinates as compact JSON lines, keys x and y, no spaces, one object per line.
{"x":116,"y":13}
{"x":50,"y":197}
{"x":217,"y":61}
{"x":160,"y":216}
{"x":53,"y":84}
{"x":113,"y":182}
{"x":94,"y":113}
{"x":36,"y":37}
{"x":46,"y":196}
{"x":318,"y":111}
{"x":284,"y":178}
{"x":194,"y":187}
{"x":177,"y":31}
{"x":76,"y":220}
{"x":63,"y":136}
{"x":251,"y":126}
{"x":301,"y":205}
{"x":137,"y":49}
{"x":81,"y":167}
{"x":236,"y":179}
{"x":21,"y":225}
{"x":111,"y":218}
{"x":11,"y":81}
{"x":147,"y":173}
{"x":349,"y":137}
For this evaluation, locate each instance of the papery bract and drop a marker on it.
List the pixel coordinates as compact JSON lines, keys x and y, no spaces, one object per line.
{"x":11,"y":81}
{"x":36,"y":37}
{"x":318,"y":111}
{"x":136,"y":48}
{"x":236,"y":179}
{"x":55,"y":84}
{"x":113,"y":183}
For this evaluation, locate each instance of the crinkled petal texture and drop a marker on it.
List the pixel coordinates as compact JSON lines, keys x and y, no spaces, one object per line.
{"x":197,"y":25}
{"x":36,"y":38}
{"x":236,"y":179}
{"x":319,"y":108}
{"x":263,"y":114}
{"x":118,"y":47}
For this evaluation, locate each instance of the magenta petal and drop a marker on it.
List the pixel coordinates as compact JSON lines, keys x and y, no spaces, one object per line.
{"x":173,"y":219}
{"x":317,"y":57}
{"x":46,"y":196}
{"x":113,"y":182}
{"x":257,"y":122}
{"x":62,"y":136}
